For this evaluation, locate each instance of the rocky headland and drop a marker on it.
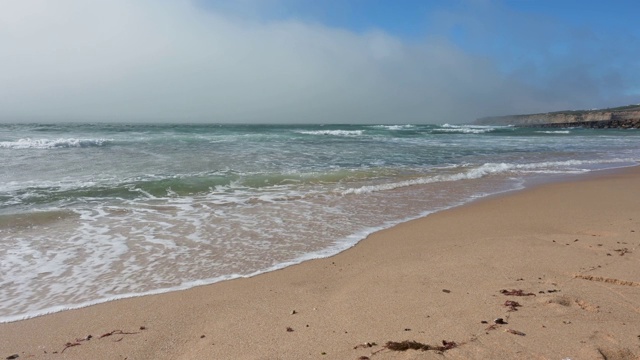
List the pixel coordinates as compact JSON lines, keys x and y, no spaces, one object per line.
{"x":625,"y":117}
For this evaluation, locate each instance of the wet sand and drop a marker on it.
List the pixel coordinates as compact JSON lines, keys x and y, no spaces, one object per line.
{"x":573,"y":246}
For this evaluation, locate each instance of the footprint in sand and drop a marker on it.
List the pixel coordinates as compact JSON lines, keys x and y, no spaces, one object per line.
{"x":606,"y":346}
{"x":567,"y":301}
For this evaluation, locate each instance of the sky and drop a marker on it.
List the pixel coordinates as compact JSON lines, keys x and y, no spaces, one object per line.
{"x":313,"y":61}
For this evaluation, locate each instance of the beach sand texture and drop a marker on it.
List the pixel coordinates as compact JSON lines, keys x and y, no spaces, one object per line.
{"x":573,"y":245}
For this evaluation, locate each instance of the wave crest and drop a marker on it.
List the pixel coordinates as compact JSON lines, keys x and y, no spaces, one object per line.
{"x":349,"y":133}
{"x":394,"y":127}
{"x":552,"y":167}
{"x":29,"y":143}
{"x":464,"y":129}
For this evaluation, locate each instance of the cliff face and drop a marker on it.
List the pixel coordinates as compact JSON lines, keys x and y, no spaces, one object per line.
{"x":606,"y":118}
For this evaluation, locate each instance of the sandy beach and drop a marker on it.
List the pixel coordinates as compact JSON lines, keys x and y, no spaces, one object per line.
{"x":571,"y":248}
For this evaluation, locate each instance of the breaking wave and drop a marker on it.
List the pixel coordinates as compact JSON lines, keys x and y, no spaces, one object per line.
{"x":552,"y":167}
{"x":29,"y":143}
{"x":464,"y":129}
{"x":349,"y":133}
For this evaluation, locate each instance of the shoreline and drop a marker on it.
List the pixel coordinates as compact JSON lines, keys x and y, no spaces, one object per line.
{"x":339,"y":246}
{"x":375,"y":290}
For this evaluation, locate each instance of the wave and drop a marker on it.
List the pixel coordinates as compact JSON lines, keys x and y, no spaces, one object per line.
{"x":554,"y":132}
{"x":394,"y":127}
{"x":552,"y":167}
{"x":29,"y":143}
{"x":454,"y":126}
{"x":250,"y":186}
{"x":464,"y":129}
{"x":471,"y":174}
{"x":224,"y":185}
{"x":348,"y":133}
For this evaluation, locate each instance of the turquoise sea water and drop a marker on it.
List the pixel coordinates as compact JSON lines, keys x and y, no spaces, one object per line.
{"x":94,"y":212}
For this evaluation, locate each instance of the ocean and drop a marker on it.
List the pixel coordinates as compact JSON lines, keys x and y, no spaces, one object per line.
{"x":95,"y":212}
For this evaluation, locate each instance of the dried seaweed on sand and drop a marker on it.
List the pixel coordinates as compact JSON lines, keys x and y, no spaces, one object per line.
{"x":512,"y":305}
{"x":414,"y":345}
{"x":514,"y":292}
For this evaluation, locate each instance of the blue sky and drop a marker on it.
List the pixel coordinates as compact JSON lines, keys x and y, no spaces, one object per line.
{"x":331,"y":61}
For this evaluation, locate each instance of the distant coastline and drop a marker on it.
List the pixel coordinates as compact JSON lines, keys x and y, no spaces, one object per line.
{"x":624,"y":117}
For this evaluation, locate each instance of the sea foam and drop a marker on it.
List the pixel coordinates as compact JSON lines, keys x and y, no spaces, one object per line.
{"x":349,"y":133}
{"x":29,"y":143}
{"x":176,"y":206}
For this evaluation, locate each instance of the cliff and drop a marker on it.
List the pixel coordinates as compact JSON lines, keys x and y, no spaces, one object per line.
{"x":621,"y":117}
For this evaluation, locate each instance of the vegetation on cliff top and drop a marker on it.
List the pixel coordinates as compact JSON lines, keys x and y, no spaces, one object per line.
{"x":634,"y":107}
{"x":614,"y":115}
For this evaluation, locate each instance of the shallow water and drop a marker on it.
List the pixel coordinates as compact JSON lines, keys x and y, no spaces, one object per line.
{"x":94,"y":212}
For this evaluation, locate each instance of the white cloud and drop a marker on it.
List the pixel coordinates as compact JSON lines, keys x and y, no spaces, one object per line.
{"x":93,"y":60}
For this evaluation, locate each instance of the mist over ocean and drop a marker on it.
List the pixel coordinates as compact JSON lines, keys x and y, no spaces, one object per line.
{"x":94,"y":212}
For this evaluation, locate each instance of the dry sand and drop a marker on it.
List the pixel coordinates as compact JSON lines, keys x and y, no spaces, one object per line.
{"x":573,"y":245}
